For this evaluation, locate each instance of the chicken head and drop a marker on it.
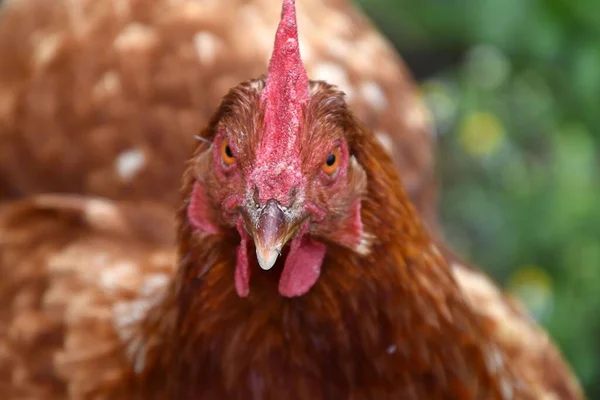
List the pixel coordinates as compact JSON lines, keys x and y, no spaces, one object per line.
{"x":279,"y":171}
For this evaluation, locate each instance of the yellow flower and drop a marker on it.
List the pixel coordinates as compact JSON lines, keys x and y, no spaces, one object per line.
{"x":481,"y":133}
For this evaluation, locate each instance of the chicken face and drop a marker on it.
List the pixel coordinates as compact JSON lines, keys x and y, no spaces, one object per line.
{"x":292,"y":199}
{"x":281,"y":170}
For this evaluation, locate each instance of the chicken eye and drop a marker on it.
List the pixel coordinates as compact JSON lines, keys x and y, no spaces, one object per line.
{"x":332,"y":162}
{"x":226,"y":153}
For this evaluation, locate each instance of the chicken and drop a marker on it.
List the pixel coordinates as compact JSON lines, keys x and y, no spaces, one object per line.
{"x":347,"y":297}
{"x":103,"y":97}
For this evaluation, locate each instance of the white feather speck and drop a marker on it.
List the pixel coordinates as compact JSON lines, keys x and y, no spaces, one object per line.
{"x":374,"y":95}
{"x":129,"y":163}
{"x":207,"y":47}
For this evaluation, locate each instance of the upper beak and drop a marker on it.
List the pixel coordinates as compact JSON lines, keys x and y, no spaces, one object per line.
{"x":272,"y":230}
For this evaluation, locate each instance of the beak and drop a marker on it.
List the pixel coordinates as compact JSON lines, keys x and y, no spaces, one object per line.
{"x":273,"y":229}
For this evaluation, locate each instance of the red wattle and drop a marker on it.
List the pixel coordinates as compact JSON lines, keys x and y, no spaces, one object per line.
{"x":302,"y":267}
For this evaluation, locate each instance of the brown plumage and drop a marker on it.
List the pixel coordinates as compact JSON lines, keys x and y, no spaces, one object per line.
{"x":98,"y":303}
{"x":104,"y":97}
{"x":74,"y":272}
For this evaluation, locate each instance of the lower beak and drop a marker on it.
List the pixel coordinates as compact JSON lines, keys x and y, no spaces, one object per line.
{"x":272,"y":231}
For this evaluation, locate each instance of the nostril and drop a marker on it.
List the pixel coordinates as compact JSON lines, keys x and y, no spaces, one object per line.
{"x":256,"y":197}
{"x":292,"y":196}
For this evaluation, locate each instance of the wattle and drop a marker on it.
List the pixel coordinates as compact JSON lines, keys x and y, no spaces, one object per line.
{"x":302,"y":266}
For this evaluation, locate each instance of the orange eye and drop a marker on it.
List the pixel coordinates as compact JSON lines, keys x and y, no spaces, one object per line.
{"x":332,"y":162}
{"x":226,"y":153}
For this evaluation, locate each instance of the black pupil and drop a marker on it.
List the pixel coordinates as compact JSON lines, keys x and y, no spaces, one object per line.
{"x":330,"y":160}
{"x":228,"y":151}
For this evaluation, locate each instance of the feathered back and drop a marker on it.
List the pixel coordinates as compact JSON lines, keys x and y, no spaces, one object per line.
{"x":77,"y":277}
{"x":104,"y":97}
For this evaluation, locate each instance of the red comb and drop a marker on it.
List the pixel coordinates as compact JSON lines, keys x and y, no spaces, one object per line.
{"x":287,"y":83}
{"x":284,"y":95}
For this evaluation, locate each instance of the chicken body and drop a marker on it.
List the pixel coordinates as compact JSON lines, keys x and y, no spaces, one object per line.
{"x":104,"y":97}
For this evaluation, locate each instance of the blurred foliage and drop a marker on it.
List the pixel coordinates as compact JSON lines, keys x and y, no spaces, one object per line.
{"x":514,"y":87}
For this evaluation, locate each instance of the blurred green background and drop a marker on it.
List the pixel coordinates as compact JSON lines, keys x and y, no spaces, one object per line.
{"x":514,"y":86}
